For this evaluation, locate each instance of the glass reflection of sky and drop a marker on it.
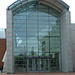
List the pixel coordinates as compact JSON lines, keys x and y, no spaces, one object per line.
{"x":31,"y":25}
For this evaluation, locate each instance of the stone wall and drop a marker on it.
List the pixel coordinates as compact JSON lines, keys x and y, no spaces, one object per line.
{"x":66,"y":48}
{"x":73,"y":43}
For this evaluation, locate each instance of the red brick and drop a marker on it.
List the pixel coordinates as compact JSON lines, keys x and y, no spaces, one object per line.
{"x":2,"y":50}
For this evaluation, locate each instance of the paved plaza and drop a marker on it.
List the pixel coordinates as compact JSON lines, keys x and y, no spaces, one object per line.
{"x":40,"y":74}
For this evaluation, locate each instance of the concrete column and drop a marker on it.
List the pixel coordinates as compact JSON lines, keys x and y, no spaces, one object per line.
{"x":66,"y":50}
{"x":10,"y":57}
{"x":73,"y":43}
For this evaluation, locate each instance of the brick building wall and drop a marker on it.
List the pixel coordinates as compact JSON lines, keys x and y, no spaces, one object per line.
{"x":2,"y":50}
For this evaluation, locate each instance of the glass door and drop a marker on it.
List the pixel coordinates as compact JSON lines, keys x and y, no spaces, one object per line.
{"x":38,"y":65}
{"x":35,"y":64}
{"x":29,"y":65}
{"x":32,"y":65}
{"x":44,"y":65}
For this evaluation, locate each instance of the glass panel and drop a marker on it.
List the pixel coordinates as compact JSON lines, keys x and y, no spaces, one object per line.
{"x":47,"y":64}
{"x":35,"y":49}
{"x":55,"y":44}
{"x":32,"y":30}
{"x":55,"y":66}
{"x":41,"y":64}
{"x":43,"y":10}
{"x":35,"y":64}
{"x":43,"y":45}
{"x":29,"y":64}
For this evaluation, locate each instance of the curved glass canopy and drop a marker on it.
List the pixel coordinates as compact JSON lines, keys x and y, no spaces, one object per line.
{"x":59,"y":5}
{"x":20,"y":3}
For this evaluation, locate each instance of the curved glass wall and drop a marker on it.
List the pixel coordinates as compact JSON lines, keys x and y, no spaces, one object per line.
{"x":36,"y":34}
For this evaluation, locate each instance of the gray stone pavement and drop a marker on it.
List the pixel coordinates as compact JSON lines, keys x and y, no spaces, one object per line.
{"x":40,"y":74}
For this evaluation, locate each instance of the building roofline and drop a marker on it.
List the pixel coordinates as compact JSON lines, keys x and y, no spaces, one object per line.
{"x":59,"y":5}
{"x":64,"y":3}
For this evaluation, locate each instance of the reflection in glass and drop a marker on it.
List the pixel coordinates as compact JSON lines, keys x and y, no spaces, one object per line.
{"x":36,"y":35}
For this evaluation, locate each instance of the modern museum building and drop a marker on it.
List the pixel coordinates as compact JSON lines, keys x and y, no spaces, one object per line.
{"x":39,"y":37}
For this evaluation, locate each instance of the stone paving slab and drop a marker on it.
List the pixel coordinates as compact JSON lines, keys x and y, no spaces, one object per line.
{"x":40,"y":74}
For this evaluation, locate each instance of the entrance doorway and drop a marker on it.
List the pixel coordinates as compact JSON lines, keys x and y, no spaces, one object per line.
{"x":38,"y":64}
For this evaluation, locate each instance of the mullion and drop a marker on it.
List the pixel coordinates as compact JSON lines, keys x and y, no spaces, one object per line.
{"x":38,"y":28}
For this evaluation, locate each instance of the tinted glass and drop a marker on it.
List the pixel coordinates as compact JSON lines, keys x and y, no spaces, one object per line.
{"x":36,"y":33}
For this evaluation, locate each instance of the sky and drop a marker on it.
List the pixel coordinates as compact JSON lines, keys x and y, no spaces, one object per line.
{"x":5,"y":3}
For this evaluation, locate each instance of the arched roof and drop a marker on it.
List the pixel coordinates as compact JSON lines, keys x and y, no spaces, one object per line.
{"x":58,"y":5}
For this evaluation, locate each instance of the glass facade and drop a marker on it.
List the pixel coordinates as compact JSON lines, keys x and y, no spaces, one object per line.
{"x":36,"y":34}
